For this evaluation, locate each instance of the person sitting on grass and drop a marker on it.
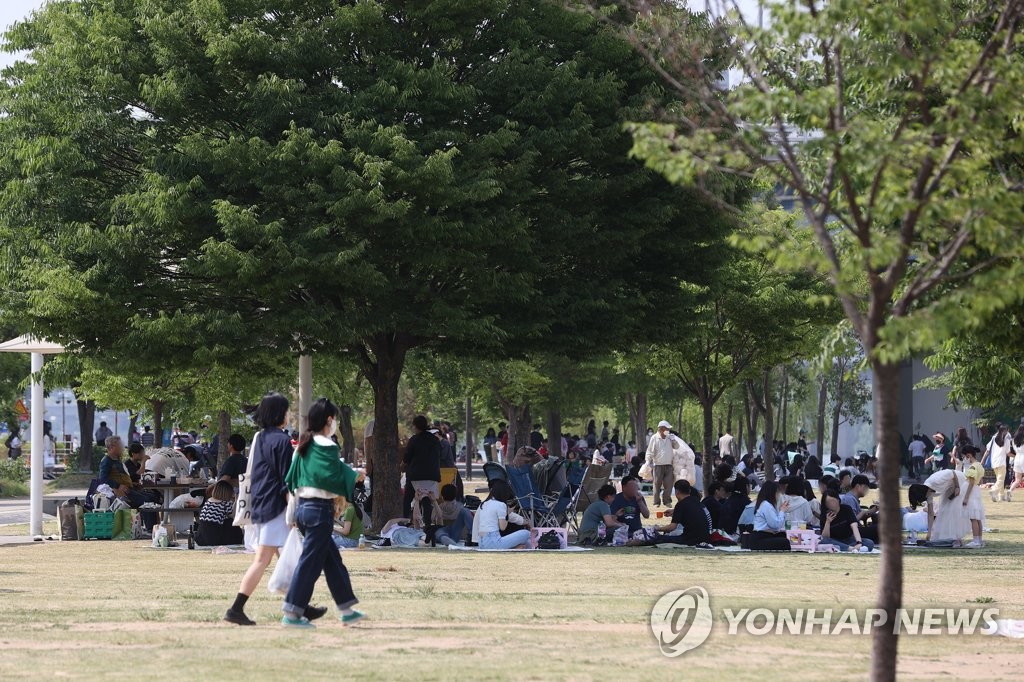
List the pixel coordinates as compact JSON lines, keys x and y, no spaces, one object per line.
{"x":599,"y":511}
{"x":136,"y":462}
{"x":216,"y":516}
{"x":455,"y":516}
{"x":629,"y":505}
{"x":713,"y":502}
{"x":859,"y":487}
{"x":770,"y":519}
{"x":839,"y":525}
{"x":348,"y":526}
{"x":734,"y":504}
{"x":813,"y":471}
{"x":800,"y":510}
{"x":495,"y":517}
{"x":236,"y":463}
{"x":691,"y":523}
{"x":845,"y":479}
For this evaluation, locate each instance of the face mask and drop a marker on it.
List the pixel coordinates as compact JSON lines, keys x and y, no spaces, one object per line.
{"x":334,"y":427}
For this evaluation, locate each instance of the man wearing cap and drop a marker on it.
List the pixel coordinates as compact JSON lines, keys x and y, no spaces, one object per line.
{"x":661,"y":454}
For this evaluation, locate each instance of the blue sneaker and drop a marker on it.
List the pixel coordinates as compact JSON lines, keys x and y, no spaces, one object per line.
{"x":352,"y":618}
{"x":297,"y":623}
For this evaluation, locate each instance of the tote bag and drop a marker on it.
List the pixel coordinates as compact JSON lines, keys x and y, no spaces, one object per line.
{"x":243,"y":511}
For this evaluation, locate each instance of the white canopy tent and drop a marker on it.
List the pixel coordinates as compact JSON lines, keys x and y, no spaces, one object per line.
{"x":37,"y":348}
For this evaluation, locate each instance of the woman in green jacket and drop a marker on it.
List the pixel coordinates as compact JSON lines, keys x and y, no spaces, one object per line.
{"x":317,"y":476}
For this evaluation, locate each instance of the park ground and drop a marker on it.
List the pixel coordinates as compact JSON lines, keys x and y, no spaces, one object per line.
{"x":91,"y":609}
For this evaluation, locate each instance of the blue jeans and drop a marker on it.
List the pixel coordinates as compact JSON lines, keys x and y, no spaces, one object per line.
{"x":843,"y":547}
{"x":455,"y":531}
{"x":315,"y":519}
{"x":495,"y":540}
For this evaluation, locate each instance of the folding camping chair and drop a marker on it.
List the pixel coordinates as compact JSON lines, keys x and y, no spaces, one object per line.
{"x":494,"y":471}
{"x":595,"y":477}
{"x":560,"y":508}
{"x":531,"y":503}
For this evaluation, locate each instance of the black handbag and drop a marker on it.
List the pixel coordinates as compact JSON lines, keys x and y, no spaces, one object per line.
{"x":550,"y":540}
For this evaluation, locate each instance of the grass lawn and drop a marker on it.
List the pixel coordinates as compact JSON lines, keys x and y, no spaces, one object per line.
{"x":86,"y":609}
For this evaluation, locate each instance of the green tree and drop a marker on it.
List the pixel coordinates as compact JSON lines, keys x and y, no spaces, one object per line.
{"x":893,"y":126}
{"x":320,"y":176}
{"x":983,"y":370}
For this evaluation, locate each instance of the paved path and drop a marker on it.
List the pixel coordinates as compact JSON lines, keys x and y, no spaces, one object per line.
{"x":16,"y":509}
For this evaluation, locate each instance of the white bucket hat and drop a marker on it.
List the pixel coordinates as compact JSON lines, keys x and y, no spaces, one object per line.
{"x":664,"y":425}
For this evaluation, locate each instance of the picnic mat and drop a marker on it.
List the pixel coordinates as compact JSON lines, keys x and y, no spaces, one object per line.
{"x":737,"y":548}
{"x":570,"y":548}
{"x":1007,"y":628}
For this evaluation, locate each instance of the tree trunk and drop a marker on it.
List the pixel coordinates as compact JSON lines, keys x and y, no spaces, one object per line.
{"x":728,"y":421}
{"x":554,"y":428}
{"x":769,"y":427}
{"x":158,"y":421}
{"x":133,"y":419}
{"x":637,"y":403}
{"x":348,"y":440}
{"x":886,"y":396}
{"x":518,"y":428}
{"x":707,"y":459}
{"x":470,"y":439}
{"x":785,"y":405}
{"x":820,"y":423}
{"x":384,"y":371}
{"x":837,"y":409}
{"x":223,"y":434}
{"x":86,"y":422}
{"x":748,"y":418}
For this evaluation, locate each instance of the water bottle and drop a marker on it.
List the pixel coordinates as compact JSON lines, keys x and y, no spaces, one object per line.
{"x":602,"y":530}
{"x":362,"y":542}
{"x":913,"y":537}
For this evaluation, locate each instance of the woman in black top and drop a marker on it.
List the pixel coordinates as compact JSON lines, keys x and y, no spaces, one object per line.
{"x":839,"y":524}
{"x":271,"y":458}
{"x":813,"y":471}
{"x":734,"y":504}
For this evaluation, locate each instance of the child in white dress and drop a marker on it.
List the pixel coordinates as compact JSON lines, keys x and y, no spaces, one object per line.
{"x":974,"y":472}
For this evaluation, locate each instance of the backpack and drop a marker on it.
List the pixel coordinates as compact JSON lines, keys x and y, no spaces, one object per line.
{"x":549,"y":540}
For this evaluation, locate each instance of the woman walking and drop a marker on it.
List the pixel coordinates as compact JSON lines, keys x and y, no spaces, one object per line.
{"x":1018,"y":461}
{"x":271,"y":456}
{"x":998,"y":450}
{"x":317,"y":477}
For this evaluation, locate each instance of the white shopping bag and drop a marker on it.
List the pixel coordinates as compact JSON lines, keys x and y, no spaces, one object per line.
{"x":281,"y":579}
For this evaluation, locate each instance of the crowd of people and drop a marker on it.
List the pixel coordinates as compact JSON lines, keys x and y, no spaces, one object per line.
{"x":301,"y":480}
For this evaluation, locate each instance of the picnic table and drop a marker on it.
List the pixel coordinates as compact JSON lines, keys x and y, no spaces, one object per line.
{"x":172,"y":490}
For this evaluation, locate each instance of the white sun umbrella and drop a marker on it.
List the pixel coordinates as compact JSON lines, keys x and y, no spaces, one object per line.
{"x":37,"y":348}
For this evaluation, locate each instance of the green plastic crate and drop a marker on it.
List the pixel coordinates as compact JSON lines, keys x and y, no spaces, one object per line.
{"x":99,"y":525}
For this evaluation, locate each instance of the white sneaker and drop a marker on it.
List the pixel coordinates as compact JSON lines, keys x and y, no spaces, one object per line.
{"x":1009,"y":496}
{"x":974,"y":544}
{"x":992,"y":494}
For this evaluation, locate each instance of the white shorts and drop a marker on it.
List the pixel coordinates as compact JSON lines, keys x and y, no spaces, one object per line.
{"x":273,"y":533}
{"x":1018,"y":464}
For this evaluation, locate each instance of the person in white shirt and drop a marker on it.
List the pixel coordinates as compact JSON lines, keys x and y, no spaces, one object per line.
{"x":999,"y":451}
{"x":917,"y":449}
{"x":494,"y":517}
{"x":661,"y":458}
{"x":725,"y":444}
